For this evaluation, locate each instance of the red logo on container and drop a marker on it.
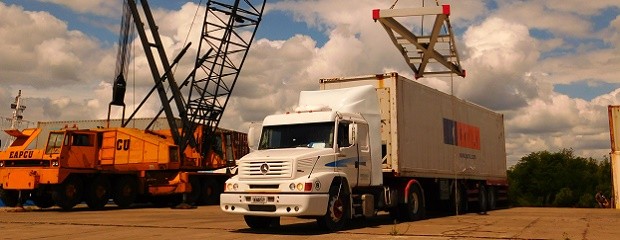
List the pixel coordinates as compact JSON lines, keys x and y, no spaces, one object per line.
{"x":461,"y":134}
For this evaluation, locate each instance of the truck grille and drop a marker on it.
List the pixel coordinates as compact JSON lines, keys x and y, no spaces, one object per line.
{"x":265,"y":169}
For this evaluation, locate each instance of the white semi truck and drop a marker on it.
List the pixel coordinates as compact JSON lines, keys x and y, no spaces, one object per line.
{"x":366,"y":144}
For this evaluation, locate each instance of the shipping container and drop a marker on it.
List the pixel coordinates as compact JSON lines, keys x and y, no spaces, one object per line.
{"x":428,"y":133}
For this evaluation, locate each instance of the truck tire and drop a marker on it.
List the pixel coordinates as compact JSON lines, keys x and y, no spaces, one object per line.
{"x":210,"y":192}
{"x":491,"y":199}
{"x":98,"y":193}
{"x":482,"y":199}
{"x":10,"y":198}
{"x":415,"y":209}
{"x":261,"y":222}
{"x":42,"y":197}
{"x":193,"y":197}
{"x":125,"y":191}
{"x":69,"y":193}
{"x":338,"y":209}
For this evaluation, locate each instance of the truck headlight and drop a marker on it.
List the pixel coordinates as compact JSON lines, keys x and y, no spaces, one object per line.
{"x":1,"y":163}
{"x":232,"y":187}
{"x":55,"y":164}
{"x":302,"y":187}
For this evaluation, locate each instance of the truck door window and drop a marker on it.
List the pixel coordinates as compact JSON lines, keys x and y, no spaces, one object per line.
{"x":343,"y":134}
{"x":362,"y":137}
{"x":80,"y":139}
{"x":54,"y":142}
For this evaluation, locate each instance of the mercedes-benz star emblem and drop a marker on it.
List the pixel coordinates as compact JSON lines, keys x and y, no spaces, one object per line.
{"x":264,"y":169}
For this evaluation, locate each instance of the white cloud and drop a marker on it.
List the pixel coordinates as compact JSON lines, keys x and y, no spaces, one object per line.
{"x":54,"y":56}
{"x":500,"y":53}
{"x":97,"y":7}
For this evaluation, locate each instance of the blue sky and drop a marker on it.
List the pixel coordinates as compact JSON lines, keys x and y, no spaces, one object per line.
{"x":550,"y":67}
{"x":276,"y":25}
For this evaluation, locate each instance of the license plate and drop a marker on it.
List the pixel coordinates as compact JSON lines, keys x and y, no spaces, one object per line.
{"x":259,"y":199}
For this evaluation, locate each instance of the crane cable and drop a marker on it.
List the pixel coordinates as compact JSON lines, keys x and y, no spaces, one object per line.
{"x":191,"y":26}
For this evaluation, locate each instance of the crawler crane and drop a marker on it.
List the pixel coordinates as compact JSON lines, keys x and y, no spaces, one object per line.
{"x":130,"y":165}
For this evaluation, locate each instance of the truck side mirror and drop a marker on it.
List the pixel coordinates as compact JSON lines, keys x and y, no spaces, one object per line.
{"x":352,"y":133}
{"x":254,"y":134}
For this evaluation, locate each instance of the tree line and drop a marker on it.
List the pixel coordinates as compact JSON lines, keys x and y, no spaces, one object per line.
{"x":558,"y":179}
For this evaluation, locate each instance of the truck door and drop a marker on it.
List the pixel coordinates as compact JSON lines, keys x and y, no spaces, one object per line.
{"x":363,"y":152}
{"x":81,"y":152}
{"x":348,"y":154}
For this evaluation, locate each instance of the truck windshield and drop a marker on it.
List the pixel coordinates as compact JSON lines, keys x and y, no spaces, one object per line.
{"x":54,"y":143}
{"x":312,"y":135}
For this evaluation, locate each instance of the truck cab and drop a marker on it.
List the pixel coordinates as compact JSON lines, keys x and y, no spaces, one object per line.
{"x":309,"y":160}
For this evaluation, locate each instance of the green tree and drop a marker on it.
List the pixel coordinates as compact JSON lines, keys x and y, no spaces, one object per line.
{"x":557,"y":179}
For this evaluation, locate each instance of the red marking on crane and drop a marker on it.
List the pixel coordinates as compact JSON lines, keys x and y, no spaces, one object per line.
{"x":446,"y":9}
{"x":375,"y":14}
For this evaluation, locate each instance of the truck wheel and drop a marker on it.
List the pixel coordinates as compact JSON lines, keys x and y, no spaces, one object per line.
{"x":338,"y":209}
{"x":194,"y":196}
{"x":491,"y":199}
{"x":98,"y":193}
{"x":482,"y":199}
{"x":42,"y":197}
{"x":415,"y":209}
{"x":68,"y":193}
{"x":210,"y":192}
{"x":261,"y":222}
{"x":125,"y":192}
{"x":10,"y":198}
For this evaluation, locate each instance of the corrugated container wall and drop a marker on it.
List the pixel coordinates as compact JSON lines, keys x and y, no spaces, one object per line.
{"x":427,"y":133}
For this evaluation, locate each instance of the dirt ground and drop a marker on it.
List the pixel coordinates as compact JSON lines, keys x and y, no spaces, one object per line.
{"x":209,"y":222}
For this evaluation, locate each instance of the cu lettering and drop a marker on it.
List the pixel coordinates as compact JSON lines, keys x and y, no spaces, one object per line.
{"x":122,"y":144}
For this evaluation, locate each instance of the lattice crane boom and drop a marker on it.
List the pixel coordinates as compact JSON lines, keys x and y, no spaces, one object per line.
{"x":228,"y":29}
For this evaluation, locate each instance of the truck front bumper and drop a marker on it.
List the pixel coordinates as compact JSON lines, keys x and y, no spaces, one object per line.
{"x":28,"y":178}
{"x":292,"y":205}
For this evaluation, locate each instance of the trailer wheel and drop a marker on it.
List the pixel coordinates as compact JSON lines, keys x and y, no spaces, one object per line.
{"x":98,"y":193}
{"x":491,"y":199}
{"x":261,"y":222}
{"x":338,"y":209}
{"x":125,"y":192}
{"x":42,"y":197}
{"x":10,"y":198}
{"x":68,"y":193}
{"x":482,"y":198}
{"x":210,"y":192}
